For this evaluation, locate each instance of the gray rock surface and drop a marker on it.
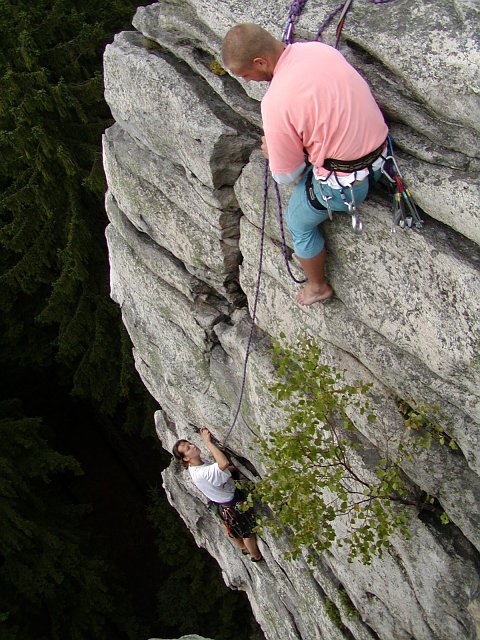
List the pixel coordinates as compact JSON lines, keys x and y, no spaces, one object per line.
{"x":184,"y":199}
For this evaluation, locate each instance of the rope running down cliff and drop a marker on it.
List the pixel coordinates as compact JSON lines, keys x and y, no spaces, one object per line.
{"x":255,"y":302}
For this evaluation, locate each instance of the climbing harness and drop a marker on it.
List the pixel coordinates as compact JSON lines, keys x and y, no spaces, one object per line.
{"x":405,"y":213}
{"x":238,"y":523}
{"x":346,"y":166}
{"x":349,"y":166}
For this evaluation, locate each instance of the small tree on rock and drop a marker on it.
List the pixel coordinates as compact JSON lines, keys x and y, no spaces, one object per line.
{"x":319,"y":490}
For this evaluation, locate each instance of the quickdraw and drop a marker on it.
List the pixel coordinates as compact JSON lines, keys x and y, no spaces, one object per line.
{"x":341,"y":21}
{"x":293,"y":15}
{"x":405,"y":213}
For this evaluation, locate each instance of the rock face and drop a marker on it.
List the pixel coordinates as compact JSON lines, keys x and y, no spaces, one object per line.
{"x":185,"y":193}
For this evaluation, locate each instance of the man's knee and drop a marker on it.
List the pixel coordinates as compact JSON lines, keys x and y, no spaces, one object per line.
{"x":307,"y":244}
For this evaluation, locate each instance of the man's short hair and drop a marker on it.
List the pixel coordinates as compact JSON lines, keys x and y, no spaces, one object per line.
{"x":243,"y":43}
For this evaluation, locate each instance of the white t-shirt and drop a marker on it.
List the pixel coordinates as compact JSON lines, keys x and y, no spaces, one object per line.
{"x":215,"y":484}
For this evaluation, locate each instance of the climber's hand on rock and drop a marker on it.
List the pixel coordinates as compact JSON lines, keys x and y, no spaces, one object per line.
{"x":205,"y":435}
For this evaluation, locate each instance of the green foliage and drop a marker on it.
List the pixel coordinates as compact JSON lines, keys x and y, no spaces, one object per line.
{"x":216,"y":68}
{"x":150,"y":44}
{"x":51,"y":584}
{"x":193,"y":598}
{"x":347,"y":607}
{"x":347,"y":604}
{"x":334,"y":614}
{"x":53,"y":268}
{"x":421,"y":426}
{"x":316,"y":492}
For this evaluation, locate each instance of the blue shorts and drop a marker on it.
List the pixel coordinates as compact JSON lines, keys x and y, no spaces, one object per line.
{"x":303,"y":219}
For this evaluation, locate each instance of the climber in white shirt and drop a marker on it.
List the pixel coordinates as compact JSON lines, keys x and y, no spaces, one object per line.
{"x":216,"y":483}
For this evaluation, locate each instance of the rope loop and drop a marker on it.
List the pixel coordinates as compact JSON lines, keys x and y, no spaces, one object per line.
{"x":284,"y":242}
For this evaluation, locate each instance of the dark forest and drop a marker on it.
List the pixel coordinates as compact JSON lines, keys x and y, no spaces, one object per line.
{"x":89,"y":547}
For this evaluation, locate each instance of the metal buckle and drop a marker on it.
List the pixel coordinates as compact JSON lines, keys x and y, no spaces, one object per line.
{"x":329,"y":209}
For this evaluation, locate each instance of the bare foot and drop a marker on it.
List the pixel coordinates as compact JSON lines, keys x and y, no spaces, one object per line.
{"x":307,"y":296}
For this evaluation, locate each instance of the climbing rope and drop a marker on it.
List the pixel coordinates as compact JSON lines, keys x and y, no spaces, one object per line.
{"x":255,"y":302}
{"x":297,"y":8}
{"x":282,"y":231}
{"x":293,"y":15}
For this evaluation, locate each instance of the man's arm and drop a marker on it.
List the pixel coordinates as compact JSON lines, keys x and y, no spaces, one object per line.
{"x":283,"y":178}
{"x":220,"y":458}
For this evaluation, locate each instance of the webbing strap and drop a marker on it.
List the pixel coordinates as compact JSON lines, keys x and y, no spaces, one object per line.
{"x":341,"y":22}
{"x":349,"y":166}
{"x":312,"y":198}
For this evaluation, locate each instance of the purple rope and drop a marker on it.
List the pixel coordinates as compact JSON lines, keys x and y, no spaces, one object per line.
{"x":284,"y":242}
{"x":326,"y":23}
{"x":255,"y":301}
{"x":296,"y":9}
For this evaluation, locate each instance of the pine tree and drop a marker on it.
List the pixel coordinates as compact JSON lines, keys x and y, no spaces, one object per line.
{"x":54,"y":300}
{"x":52,"y":586}
{"x":55,"y":312}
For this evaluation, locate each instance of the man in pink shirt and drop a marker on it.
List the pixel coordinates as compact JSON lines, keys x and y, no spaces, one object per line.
{"x":317,"y":110}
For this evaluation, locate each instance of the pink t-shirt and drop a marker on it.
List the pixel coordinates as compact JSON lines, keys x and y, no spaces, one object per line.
{"x":318,"y":102}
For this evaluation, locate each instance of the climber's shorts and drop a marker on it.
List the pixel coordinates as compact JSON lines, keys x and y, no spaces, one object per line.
{"x":238,"y":523}
{"x":303,"y":219}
